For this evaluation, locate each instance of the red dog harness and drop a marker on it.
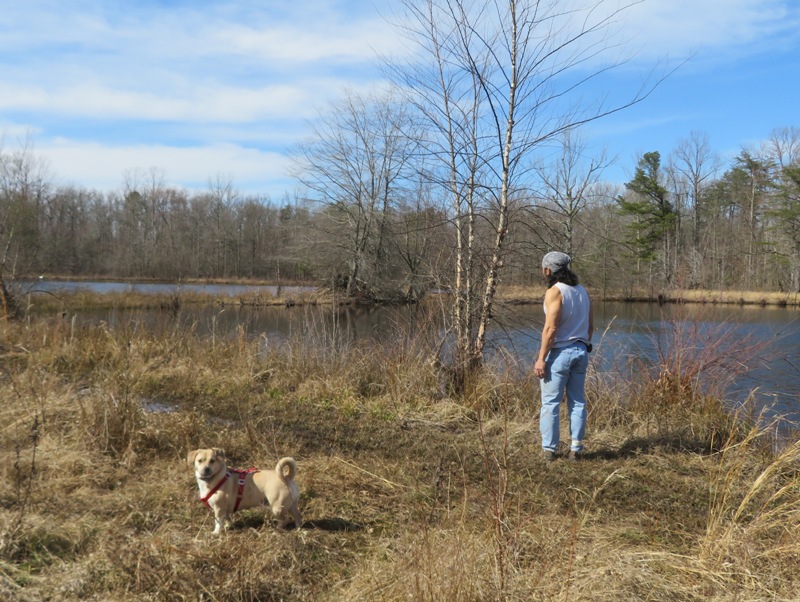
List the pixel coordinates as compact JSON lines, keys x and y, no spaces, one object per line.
{"x":239,"y":493}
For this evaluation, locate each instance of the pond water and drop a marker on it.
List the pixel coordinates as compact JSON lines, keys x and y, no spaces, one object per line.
{"x":150,"y":288}
{"x":760,"y":346}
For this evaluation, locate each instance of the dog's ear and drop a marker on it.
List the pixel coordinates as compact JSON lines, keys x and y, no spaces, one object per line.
{"x":219,"y":452}
{"x":192,"y":455}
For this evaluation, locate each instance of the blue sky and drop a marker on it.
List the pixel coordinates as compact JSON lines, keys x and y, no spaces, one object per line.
{"x":106,"y":90}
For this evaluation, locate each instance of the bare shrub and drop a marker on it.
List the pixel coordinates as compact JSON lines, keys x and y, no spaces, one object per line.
{"x":13,"y":528}
{"x":681,"y":393}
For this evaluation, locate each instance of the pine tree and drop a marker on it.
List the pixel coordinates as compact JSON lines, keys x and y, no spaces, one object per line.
{"x":654,"y":216}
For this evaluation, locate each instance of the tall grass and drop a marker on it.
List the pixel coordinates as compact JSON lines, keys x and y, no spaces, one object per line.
{"x":407,"y":492}
{"x":681,"y":394}
{"x":754,"y":519}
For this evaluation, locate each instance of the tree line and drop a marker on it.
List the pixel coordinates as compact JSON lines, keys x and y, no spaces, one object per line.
{"x":683,"y":220}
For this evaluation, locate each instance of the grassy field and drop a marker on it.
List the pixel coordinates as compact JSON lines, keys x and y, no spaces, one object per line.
{"x":408,"y":493}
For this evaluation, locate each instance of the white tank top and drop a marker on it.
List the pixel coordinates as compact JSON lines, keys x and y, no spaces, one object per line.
{"x":574,"y":323}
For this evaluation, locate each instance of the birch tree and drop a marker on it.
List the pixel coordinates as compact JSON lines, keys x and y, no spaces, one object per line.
{"x":493,"y":81}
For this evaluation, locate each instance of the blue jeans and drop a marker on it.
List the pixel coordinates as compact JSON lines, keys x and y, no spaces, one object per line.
{"x":566,"y":372}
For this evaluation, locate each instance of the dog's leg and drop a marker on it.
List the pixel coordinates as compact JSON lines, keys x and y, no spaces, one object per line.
{"x":280,"y":515}
{"x":298,"y":520}
{"x":220,"y":522}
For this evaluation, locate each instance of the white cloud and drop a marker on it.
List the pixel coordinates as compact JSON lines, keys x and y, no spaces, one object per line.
{"x":205,"y":29}
{"x":94,"y":165}
{"x":14,"y":135}
{"x":206,"y":102}
{"x":355,"y":42}
{"x":642,"y":33}
{"x":227,"y":62}
{"x":679,"y":28}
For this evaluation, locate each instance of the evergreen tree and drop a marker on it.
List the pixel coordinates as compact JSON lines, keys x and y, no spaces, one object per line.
{"x":787,"y":215}
{"x":654,"y":216}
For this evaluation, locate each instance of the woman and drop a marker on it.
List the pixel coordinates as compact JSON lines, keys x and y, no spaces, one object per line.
{"x":564,"y":354}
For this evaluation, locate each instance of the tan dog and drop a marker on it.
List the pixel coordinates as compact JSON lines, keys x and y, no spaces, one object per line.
{"x":226,"y":490}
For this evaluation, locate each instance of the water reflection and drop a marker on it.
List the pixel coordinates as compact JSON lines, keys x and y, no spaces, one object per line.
{"x":763,"y":343}
{"x":151,"y":288}
{"x":627,"y":336}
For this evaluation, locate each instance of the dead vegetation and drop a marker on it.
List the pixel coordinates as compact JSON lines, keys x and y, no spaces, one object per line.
{"x":526,"y":294}
{"x":407,"y":494}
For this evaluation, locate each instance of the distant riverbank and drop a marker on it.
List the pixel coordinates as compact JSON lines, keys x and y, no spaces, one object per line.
{"x":520,"y":295}
{"x":299,"y":292}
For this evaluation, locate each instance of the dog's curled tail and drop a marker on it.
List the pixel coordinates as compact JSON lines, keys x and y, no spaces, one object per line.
{"x":283,"y":463}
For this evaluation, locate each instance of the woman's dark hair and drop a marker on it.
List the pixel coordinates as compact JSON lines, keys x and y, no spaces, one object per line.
{"x":564,"y":275}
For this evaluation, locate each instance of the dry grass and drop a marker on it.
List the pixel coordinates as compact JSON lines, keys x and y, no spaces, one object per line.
{"x":736,"y":297}
{"x":172,"y":302}
{"x":407,"y":494}
{"x":535,"y":294}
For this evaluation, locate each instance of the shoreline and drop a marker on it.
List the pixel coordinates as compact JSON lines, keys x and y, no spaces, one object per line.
{"x":512,"y":295}
{"x":520,"y":296}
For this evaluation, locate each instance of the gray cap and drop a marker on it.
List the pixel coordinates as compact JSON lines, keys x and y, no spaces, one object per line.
{"x":555,"y":260}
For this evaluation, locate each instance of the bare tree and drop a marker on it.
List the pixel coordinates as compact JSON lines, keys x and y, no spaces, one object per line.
{"x":223,"y":196}
{"x":567,"y":184}
{"x":420,"y":231}
{"x":494,"y":81}
{"x":24,"y":185}
{"x":603,"y":257}
{"x":146,"y":202}
{"x":783,"y":146}
{"x":698,"y":165}
{"x":356,"y":165}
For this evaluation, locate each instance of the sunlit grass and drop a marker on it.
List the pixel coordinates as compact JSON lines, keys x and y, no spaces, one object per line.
{"x":735,"y":297}
{"x":45,"y":302}
{"x":535,"y":294}
{"x":407,"y":492}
